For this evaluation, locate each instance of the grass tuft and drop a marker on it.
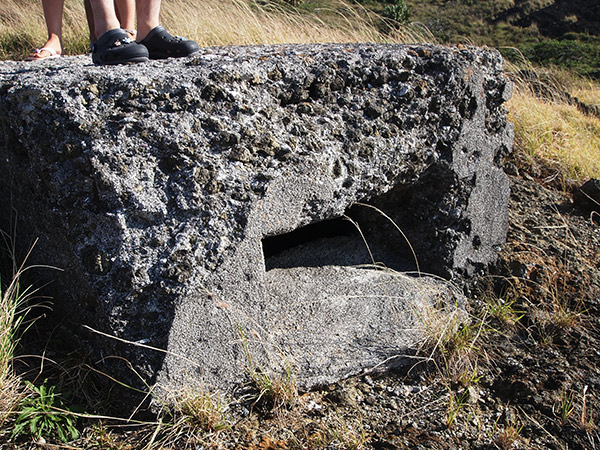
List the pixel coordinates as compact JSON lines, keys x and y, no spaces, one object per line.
{"x":14,"y":307}
{"x":450,"y":342}
{"x":503,"y":310}
{"x":347,"y":435}
{"x":509,"y":435}
{"x":271,"y":388}
{"x":201,"y":410}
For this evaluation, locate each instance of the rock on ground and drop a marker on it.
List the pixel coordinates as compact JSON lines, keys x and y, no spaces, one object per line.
{"x":255,"y":203}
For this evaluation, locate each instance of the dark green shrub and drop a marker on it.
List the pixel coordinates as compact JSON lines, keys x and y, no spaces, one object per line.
{"x":398,"y":12}
{"x":575,"y":55}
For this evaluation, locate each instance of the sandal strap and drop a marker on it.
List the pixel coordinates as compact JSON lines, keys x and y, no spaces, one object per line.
{"x":52,"y":52}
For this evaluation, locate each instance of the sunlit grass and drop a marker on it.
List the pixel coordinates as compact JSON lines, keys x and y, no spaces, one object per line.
{"x":246,"y":22}
{"x":210,"y":23}
{"x":22,"y":28}
{"x":588,"y":92}
{"x":556,"y":133}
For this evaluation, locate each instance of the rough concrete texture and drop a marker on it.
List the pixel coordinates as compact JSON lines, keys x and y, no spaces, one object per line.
{"x":211,"y":206}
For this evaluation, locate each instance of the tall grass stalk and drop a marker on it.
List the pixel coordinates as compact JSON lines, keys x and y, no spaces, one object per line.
{"x":13,"y":310}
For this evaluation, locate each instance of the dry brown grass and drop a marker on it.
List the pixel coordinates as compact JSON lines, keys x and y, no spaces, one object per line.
{"x":22,"y":28}
{"x":11,"y":394}
{"x":210,"y":23}
{"x":229,"y":22}
{"x":557,"y":134}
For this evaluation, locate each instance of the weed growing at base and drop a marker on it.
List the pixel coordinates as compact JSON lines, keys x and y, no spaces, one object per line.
{"x":272,"y":388}
{"x":14,"y":307}
{"x":45,"y":415}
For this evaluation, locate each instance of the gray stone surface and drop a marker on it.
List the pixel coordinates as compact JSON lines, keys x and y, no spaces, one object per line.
{"x":170,"y":192}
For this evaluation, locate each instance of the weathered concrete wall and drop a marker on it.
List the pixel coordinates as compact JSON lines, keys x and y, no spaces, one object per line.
{"x":166,"y":192}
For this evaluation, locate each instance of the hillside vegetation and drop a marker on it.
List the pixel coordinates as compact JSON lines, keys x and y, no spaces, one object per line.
{"x":565,"y":34}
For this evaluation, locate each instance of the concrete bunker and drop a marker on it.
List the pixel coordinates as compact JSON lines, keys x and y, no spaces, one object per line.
{"x":180,"y":255}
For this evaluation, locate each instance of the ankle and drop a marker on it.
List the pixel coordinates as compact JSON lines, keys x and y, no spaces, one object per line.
{"x":144,"y":29}
{"x":102,"y":27}
{"x":54,"y":42}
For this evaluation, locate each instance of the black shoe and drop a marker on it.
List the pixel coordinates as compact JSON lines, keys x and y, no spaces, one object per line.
{"x":161,"y":45}
{"x":116,"y":47}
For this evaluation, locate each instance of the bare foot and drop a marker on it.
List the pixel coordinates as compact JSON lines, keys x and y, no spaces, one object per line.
{"x":51,"y":49}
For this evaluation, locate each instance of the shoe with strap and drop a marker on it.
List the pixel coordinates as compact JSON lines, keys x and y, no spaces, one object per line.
{"x":117,"y":47}
{"x":161,"y":44}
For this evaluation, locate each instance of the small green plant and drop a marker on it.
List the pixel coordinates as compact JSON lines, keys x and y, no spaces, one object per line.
{"x":504,"y":310}
{"x":470,"y":376}
{"x":565,"y":408}
{"x":45,"y":415}
{"x":456,"y":402}
{"x":399,"y":12}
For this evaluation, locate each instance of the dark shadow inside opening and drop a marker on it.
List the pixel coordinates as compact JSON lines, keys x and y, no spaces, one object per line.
{"x":362,"y":236}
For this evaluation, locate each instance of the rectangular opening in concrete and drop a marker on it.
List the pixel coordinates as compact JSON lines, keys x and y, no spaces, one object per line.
{"x":360,"y":237}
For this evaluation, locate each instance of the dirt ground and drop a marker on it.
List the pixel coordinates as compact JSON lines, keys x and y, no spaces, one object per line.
{"x":525,"y":373}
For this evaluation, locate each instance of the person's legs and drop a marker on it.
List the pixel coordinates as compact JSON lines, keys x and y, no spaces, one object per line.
{"x":53,"y":11}
{"x":147,"y":14}
{"x":126,"y":15}
{"x":104,"y":16}
{"x":89,"y":15}
{"x":125,"y":12}
{"x":113,"y":45}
